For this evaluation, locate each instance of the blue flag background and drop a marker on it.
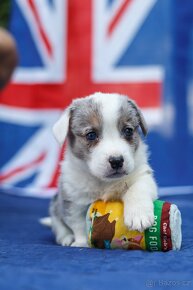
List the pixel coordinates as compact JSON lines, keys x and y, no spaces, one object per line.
{"x":150,"y":58}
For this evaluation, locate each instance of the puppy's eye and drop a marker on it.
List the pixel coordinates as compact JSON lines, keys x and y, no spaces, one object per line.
{"x":128,"y":132}
{"x":91,"y":136}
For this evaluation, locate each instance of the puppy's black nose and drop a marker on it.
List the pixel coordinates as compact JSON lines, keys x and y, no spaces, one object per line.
{"x":116,"y":162}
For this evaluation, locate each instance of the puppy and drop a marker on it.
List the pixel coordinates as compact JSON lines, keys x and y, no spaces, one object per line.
{"x":105,"y":159}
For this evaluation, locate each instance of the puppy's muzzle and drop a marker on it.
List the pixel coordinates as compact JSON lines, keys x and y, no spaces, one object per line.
{"x":116,"y":162}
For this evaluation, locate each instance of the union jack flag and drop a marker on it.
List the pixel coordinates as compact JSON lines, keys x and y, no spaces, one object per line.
{"x":70,"y":49}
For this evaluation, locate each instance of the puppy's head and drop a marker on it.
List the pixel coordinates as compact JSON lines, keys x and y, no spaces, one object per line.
{"x":102,"y":131}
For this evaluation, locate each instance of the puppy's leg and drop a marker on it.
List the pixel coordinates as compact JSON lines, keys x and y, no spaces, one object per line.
{"x":77,"y":223}
{"x":64,"y":236}
{"x":68,"y":222}
{"x":138,"y":203}
{"x":79,"y":230}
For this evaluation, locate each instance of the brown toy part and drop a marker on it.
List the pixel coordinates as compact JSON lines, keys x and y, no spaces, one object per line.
{"x":103,"y":230}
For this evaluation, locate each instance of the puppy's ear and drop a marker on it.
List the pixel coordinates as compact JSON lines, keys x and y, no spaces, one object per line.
{"x":60,"y":128}
{"x":142,"y":121}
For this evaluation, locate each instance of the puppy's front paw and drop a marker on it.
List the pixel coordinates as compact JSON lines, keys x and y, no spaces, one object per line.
{"x":65,"y":240}
{"x":81,"y":242}
{"x":138,"y":217}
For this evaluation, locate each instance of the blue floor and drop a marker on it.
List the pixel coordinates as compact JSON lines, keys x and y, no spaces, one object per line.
{"x":29,"y":258}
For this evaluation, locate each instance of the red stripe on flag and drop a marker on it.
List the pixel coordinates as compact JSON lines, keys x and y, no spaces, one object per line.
{"x":41,"y":30}
{"x":56,"y":174}
{"x":20,"y":169}
{"x":118,"y":15}
{"x":49,"y":96}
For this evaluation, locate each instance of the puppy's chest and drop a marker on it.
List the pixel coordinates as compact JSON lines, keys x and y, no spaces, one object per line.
{"x":85,"y":191}
{"x":82,"y":192}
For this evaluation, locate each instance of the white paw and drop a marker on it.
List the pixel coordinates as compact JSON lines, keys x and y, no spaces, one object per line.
{"x":80,"y":243}
{"x":65,"y":240}
{"x":138,"y":217}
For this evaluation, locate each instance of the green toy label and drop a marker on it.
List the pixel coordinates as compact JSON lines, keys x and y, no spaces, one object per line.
{"x":152,"y":234}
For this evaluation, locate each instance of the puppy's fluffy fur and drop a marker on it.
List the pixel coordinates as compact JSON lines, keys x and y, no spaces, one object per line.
{"x":105,"y":159}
